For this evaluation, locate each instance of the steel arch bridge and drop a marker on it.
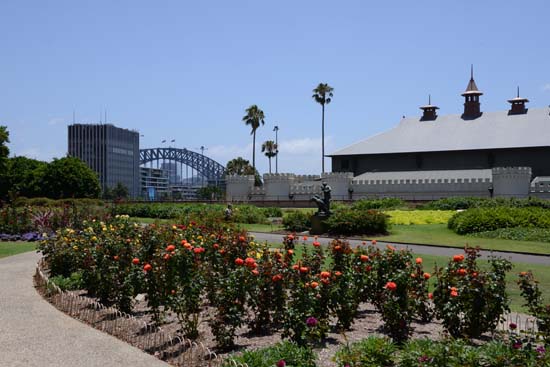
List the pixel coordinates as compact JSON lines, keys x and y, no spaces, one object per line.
{"x":207,"y":167}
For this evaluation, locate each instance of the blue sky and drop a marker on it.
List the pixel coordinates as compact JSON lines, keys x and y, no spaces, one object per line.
{"x":186,"y":70}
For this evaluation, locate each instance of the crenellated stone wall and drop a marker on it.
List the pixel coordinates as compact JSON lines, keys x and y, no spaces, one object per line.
{"x":511,"y":182}
{"x":505,"y":182}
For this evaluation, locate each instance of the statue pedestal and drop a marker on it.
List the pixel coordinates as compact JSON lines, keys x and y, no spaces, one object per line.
{"x":318,"y":225}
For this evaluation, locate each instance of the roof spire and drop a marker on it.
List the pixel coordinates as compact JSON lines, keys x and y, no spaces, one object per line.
{"x":429,"y":99}
{"x":518,"y":92}
{"x":471,"y":71}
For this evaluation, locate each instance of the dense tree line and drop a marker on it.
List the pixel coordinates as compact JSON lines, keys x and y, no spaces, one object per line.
{"x":67,"y":177}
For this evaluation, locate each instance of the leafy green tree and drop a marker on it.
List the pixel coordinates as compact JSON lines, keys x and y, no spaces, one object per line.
{"x":269,"y":148}
{"x":254,"y":117}
{"x":240,"y":166}
{"x":322,"y":94}
{"x":209,"y":193}
{"x":69,"y":177}
{"x":119,"y":192}
{"x":4,"y":150}
{"x":23,"y":177}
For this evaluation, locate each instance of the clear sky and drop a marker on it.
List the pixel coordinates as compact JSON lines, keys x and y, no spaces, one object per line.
{"x":186,"y":70}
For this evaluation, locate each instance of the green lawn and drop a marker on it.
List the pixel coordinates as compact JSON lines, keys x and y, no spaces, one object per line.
{"x":14,"y":248}
{"x":260,"y":227}
{"x":439,"y":234}
{"x":541,"y":272}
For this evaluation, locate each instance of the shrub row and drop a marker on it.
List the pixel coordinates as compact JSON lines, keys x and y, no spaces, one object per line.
{"x":490,"y":219}
{"x":457,"y":203}
{"x":377,"y":351}
{"x":28,"y":221}
{"x":241,"y":213}
{"x":47,"y":202}
{"x":343,"y":221}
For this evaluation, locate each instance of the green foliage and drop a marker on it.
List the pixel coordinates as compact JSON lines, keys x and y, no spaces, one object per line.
{"x":370,"y":352}
{"x":23,"y":176}
{"x":458,"y":203}
{"x":291,"y":353}
{"x":376,"y":351}
{"x":534,"y":301}
{"x":51,"y":203}
{"x":69,"y":177}
{"x":4,"y":150}
{"x":471,"y":301}
{"x":297,"y":221}
{"x":71,"y":283}
{"x":490,"y":219}
{"x":272,"y":212}
{"x":357,"y":222}
{"x":517,"y":234}
{"x":119,"y":192}
{"x":210,"y":193}
{"x":413,"y":217}
{"x":384,"y":203}
{"x":249,"y":214}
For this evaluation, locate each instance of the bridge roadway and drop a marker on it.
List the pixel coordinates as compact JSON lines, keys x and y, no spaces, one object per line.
{"x":422,"y":249}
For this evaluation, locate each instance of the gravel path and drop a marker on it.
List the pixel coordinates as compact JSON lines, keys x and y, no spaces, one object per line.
{"x":34,"y":333}
{"x":422,"y":249}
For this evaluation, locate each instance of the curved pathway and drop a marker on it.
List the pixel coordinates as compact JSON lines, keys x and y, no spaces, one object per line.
{"x":34,"y":333}
{"x":422,"y":249}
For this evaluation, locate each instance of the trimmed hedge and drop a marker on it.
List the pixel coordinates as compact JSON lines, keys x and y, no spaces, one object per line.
{"x":458,"y":203}
{"x":490,"y":219}
{"x":358,"y":222}
{"x":297,"y":221}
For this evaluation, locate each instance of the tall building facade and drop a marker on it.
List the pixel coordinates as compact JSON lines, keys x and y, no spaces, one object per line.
{"x":110,"y":151}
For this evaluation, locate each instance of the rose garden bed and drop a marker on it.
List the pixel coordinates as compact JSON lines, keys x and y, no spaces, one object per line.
{"x":216,"y":286}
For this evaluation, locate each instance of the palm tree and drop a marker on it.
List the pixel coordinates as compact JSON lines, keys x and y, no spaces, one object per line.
{"x":270,"y":149}
{"x":323,"y":95}
{"x":239,"y":166}
{"x":254,"y":117}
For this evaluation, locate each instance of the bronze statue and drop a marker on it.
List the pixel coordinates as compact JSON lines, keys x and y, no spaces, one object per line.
{"x":323,"y":203}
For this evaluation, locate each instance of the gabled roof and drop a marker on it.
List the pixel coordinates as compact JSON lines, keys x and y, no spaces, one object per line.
{"x":492,"y":130}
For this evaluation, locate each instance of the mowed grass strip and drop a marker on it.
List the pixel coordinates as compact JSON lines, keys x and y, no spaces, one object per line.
{"x":14,"y":248}
{"x":439,"y":234}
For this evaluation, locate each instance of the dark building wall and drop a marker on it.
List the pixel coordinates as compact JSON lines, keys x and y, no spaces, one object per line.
{"x":536,"y":158}
{"x":112,"y":152}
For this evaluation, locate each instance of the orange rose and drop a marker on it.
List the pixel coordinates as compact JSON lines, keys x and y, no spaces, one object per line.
{"x":239,"y":261}
{"x":314,"y":285}
{"x":427,"y":276}
{"x":316,"y":243}
{"x":325,"y":274}
{"x":458,"y":258}
{"x":419,"y":260}
{"x":135,"y":261}
{"x":147,"y":267}
{"x":364,"y":258}
{"x":391,"y":286}
{"x":304,"y":269}
{"x":373,"y":242}
{"x":170,"y":248}
{"x":461,"y":272}
{"x":454,"y":294}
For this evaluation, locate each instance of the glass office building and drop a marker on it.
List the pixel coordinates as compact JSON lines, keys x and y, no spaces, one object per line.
{"x":110,"y":151}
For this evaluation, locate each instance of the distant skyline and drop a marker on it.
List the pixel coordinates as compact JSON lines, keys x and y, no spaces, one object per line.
{"x":186,"y":71}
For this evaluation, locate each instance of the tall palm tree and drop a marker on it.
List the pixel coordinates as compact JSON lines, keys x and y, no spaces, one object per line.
{"x":322,"y":94}
{"x":254,"y":117}
{"x":270,"y":149}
